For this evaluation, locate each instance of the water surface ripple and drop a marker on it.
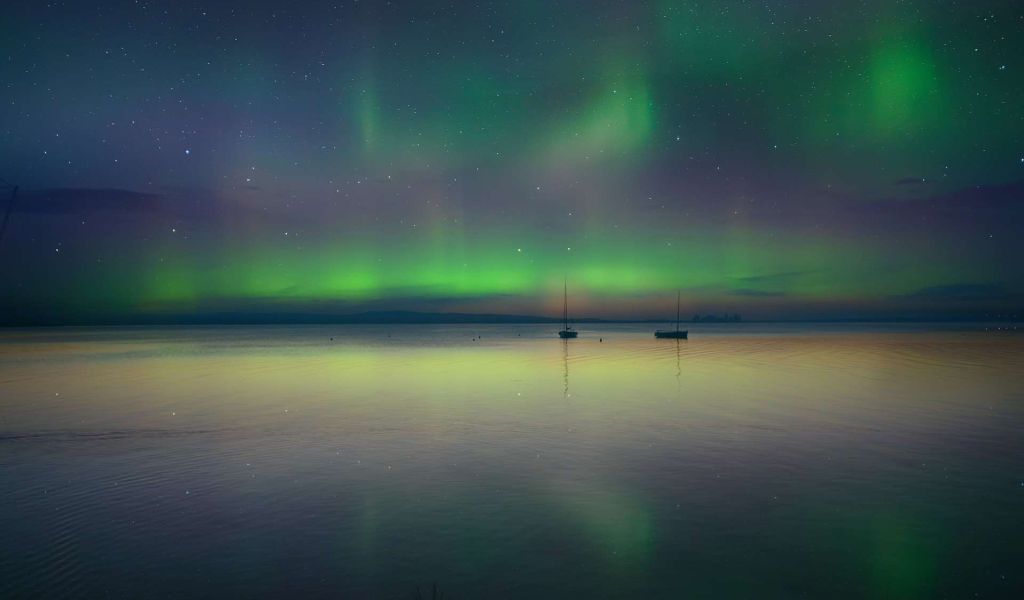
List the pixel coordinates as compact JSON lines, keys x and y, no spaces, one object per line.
{"x":767,"y":461}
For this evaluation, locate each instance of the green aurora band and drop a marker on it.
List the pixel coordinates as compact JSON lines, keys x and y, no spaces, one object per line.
{"x":767,"y":160}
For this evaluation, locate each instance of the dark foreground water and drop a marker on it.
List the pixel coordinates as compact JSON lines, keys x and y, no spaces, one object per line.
{"x":747,"y":462}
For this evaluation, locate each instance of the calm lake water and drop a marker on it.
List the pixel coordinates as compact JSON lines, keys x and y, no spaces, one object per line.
{"x":749,"y":461}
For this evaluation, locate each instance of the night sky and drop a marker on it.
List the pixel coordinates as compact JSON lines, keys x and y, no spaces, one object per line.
{"x":790,"y":159}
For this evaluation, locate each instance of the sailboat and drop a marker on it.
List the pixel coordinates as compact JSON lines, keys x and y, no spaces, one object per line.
{"x":679,"y":334}
{"x":566,"y":332}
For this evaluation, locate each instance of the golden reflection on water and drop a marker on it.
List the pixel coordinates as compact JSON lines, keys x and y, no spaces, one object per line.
{"x":636,"y":454}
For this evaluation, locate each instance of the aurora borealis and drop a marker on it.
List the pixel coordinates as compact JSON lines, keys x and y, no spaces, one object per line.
{"x":778,"y":159}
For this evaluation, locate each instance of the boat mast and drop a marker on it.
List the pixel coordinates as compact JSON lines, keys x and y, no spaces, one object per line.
{"x":565,"y":304}
{"x":677,"y":310}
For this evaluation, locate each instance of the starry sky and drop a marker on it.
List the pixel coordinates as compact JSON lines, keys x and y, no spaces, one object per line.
{"x":784,"y":160}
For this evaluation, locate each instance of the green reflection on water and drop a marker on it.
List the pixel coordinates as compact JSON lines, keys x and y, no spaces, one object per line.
{"x":617,"y":523}
{"x":902,"y":563}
